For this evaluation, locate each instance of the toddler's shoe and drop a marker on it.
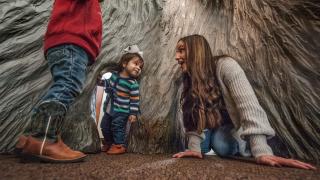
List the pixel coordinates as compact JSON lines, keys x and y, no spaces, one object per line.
{"x":116,"y":149}
{"x":105,"y":147}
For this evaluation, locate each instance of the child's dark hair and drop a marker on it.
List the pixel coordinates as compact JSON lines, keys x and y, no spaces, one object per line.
{"x":126,"y":58}
{"x":117,"y":66}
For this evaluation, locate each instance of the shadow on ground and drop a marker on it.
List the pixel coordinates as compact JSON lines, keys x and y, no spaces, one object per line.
{"x":135,"y":166}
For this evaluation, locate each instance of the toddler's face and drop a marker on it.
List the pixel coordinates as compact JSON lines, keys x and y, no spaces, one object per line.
{"x":134,"y":67}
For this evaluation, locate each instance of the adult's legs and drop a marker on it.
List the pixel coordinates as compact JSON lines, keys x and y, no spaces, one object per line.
{"x":222,"y":141}
{"x":206,"y":143}
{"x":68,"y":68}
{"x":68,"y":65}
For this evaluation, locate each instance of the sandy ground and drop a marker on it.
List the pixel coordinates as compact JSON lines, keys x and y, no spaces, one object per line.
{"x":135,"y":166}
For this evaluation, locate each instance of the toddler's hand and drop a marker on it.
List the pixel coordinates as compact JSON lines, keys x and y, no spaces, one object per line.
{"x":132,"y":118}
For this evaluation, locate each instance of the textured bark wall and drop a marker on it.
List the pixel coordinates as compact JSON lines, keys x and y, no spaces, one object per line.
{"x":276,"y":42}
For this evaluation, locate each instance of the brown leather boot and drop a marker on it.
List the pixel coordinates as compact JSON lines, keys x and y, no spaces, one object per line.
{"x":116,"y":149}
{"x":58,"y":152}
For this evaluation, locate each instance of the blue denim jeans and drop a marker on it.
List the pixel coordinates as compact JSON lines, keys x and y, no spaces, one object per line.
{"x":114,"y":128}
{"x":68,"y":65}
{"x":220,"y":140}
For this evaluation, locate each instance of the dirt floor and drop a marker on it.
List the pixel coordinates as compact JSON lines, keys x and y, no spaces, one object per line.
{"x":135,"y":166}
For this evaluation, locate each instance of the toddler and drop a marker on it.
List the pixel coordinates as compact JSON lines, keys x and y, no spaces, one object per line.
{"x":122,"y":100}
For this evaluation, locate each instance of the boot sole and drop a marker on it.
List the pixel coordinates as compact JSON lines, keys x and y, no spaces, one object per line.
{"x":25,"y":158}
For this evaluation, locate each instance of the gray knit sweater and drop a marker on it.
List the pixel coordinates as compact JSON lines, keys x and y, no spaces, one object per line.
{"x":249,"y":118}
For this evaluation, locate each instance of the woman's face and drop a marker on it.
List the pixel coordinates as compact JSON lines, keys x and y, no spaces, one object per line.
{"x":181,"y":55}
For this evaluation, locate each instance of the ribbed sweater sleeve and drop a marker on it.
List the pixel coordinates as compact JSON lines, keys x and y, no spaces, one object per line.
{"x":194,"y":140}
{"x":253,"y":118}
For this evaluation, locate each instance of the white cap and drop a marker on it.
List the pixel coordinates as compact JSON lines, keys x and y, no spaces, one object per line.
{"x":133,"y":49}
{"x":106,"y":76}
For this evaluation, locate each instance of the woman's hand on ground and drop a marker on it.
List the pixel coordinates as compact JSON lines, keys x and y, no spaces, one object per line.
{"x":132,"y":118}
{"x":279,"y":161}
{"x":188,"y":153}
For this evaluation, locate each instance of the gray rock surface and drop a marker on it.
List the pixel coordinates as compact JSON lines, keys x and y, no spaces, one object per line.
{"x":276,"y":42}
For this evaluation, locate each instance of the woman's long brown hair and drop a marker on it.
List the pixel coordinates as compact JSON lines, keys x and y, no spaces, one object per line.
{"x":201,"y":97}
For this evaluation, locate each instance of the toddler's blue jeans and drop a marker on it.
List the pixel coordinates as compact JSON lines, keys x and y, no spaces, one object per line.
{"x":114,"y":128}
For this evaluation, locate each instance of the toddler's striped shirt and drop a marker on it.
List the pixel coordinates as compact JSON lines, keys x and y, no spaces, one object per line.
{"x":126,"y":95}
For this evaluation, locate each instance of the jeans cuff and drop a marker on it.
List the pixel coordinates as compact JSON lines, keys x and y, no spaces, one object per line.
{"x":53,"y":107}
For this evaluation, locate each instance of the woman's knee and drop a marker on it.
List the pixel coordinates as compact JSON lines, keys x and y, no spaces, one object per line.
{"x":224,"y":144}
{"x":206,"y":143}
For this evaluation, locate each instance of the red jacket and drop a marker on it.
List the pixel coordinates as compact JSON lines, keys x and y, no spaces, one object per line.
{"x":77,"y":22}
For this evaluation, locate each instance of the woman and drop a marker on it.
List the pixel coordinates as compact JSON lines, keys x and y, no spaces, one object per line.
{"x":216,"y":88}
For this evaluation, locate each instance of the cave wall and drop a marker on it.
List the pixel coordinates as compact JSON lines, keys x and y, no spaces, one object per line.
{"x":276,"y":42}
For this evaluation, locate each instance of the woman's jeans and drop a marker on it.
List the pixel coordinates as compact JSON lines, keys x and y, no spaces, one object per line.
{"x":114,"y":128}
{"x":220,"y":140}
{"x":68,"y":65}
